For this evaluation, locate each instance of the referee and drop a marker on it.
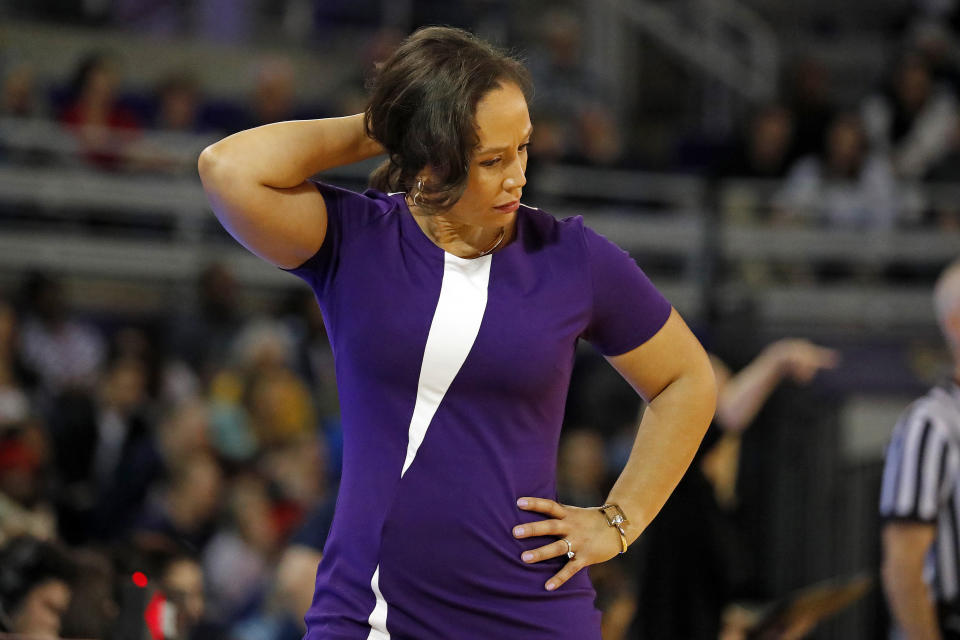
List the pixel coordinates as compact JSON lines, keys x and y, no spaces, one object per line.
{"x":920,"y":497}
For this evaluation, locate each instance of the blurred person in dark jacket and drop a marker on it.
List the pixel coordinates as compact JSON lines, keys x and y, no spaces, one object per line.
{"x":201,"y":337}
{"x":106,"y":458}
{"x":764,"y":151}
{"x":184,"y":510}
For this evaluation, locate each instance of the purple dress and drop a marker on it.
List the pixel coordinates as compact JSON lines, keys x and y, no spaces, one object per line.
{"x":452,"y":375}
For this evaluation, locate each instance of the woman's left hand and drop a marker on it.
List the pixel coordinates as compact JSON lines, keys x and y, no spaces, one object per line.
{"x":591,"y":539}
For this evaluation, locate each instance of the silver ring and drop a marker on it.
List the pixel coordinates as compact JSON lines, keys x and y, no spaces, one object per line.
{"x":570,"y":552}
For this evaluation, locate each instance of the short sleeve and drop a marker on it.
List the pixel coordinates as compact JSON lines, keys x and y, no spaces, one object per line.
{"x":346,"y":213}
{"x":919,"y":470}
{"x":626,"y":310}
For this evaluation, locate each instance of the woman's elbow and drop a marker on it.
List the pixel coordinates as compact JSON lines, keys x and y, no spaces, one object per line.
{"x":705,"y":385}
{"x":208,"y":162}
{"x":710,"y":394}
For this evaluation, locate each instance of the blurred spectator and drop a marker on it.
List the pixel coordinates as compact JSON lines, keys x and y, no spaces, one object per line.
{"x":945,"y":212}
{"x":555,"y":62}
{"x":175,"y":113}
{"x":93,"y":608}
{"x":912,"y":119}
{"x":847,"y":187}
{"x":810,"y":102}
{"x":14,"y":402}
{"x":238,"y":562}
{"x":298,"y":480}
{"x":278,"y":402}
{"x":61,"y":352}
{"x":764,"y":152}
{"x":692,"y":561}
{"x":582,"y":481}
{"x":313,"y":358}
{"x":202,"y":337}
{"x":933,"y":40}
{"x":25,"y":500}
{"x":104,"y":128}
{"x":183,"y":430}
{"x":182,"y":583}
{"x":178,"y":103}
{"x":18,"y":95}
{"x":35,"y":588}
{"x":105,"y":454}
{"x":599,"y":139}
{"x":351,"y":96}
{"x":581,"y":470}
{"x":184,"y":510}
{"x":274,"y":93}
{"x":181,"y":580}
{"x":281,"y":614}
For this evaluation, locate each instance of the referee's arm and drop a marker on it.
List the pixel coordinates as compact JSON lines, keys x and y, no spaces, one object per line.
{"x":915,"y":485}
{"x":905,"y":546}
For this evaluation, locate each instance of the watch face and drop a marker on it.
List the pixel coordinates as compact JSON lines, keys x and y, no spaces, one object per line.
{"x":613,"y":514}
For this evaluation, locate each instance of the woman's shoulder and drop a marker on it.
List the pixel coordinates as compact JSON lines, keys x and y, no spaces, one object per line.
{"x":370,"y":204}
{"x":542,"y":228}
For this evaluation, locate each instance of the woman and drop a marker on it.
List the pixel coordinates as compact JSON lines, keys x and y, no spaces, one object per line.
{"x":453,"y":311}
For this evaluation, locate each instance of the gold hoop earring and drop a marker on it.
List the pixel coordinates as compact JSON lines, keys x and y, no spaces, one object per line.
{"x":416,"y":196}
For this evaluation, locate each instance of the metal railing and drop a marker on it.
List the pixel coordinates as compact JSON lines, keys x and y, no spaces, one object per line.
{"x":722,"y":38}
{"x":157,"y":229}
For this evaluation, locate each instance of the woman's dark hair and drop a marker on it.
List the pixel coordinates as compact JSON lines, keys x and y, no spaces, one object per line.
{"x":423,"y":110}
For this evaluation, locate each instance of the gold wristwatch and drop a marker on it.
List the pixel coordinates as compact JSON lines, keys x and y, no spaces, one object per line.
{"x":616,"y":518}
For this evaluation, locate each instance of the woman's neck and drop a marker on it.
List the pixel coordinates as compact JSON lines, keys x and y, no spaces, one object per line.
{"x":460,"y":239}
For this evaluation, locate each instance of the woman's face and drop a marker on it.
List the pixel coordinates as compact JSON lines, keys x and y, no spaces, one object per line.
{"x":499,"y":164}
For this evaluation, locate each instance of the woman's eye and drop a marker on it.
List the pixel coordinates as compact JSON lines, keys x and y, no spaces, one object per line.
{"x":525,"y":146}
{"x":490,"y":163}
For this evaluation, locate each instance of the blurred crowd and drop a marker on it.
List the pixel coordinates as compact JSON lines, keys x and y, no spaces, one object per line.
{"x":839,"y":162}
{"x":198,"y":450}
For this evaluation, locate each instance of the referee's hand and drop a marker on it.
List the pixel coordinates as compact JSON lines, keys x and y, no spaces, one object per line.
{"x":800,"y":359}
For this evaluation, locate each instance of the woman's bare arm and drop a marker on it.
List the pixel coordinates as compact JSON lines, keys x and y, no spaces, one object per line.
{"x":256,"y":181}
{"x":672,"y":372}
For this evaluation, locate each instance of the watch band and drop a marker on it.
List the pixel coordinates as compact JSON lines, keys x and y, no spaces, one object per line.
{"x":616,"y":518}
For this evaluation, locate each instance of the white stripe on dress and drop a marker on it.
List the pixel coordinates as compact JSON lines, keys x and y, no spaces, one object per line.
{"x":454,"y":329}
{"x":378,"y":617}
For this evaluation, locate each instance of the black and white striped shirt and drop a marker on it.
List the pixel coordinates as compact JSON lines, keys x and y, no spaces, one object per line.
{"x":921,"y":481}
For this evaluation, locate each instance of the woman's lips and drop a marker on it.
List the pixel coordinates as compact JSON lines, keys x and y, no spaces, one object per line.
{"x":510,"y":207}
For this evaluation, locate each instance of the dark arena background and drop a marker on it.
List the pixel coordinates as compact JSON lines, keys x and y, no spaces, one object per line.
{"x":169,"y":435}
